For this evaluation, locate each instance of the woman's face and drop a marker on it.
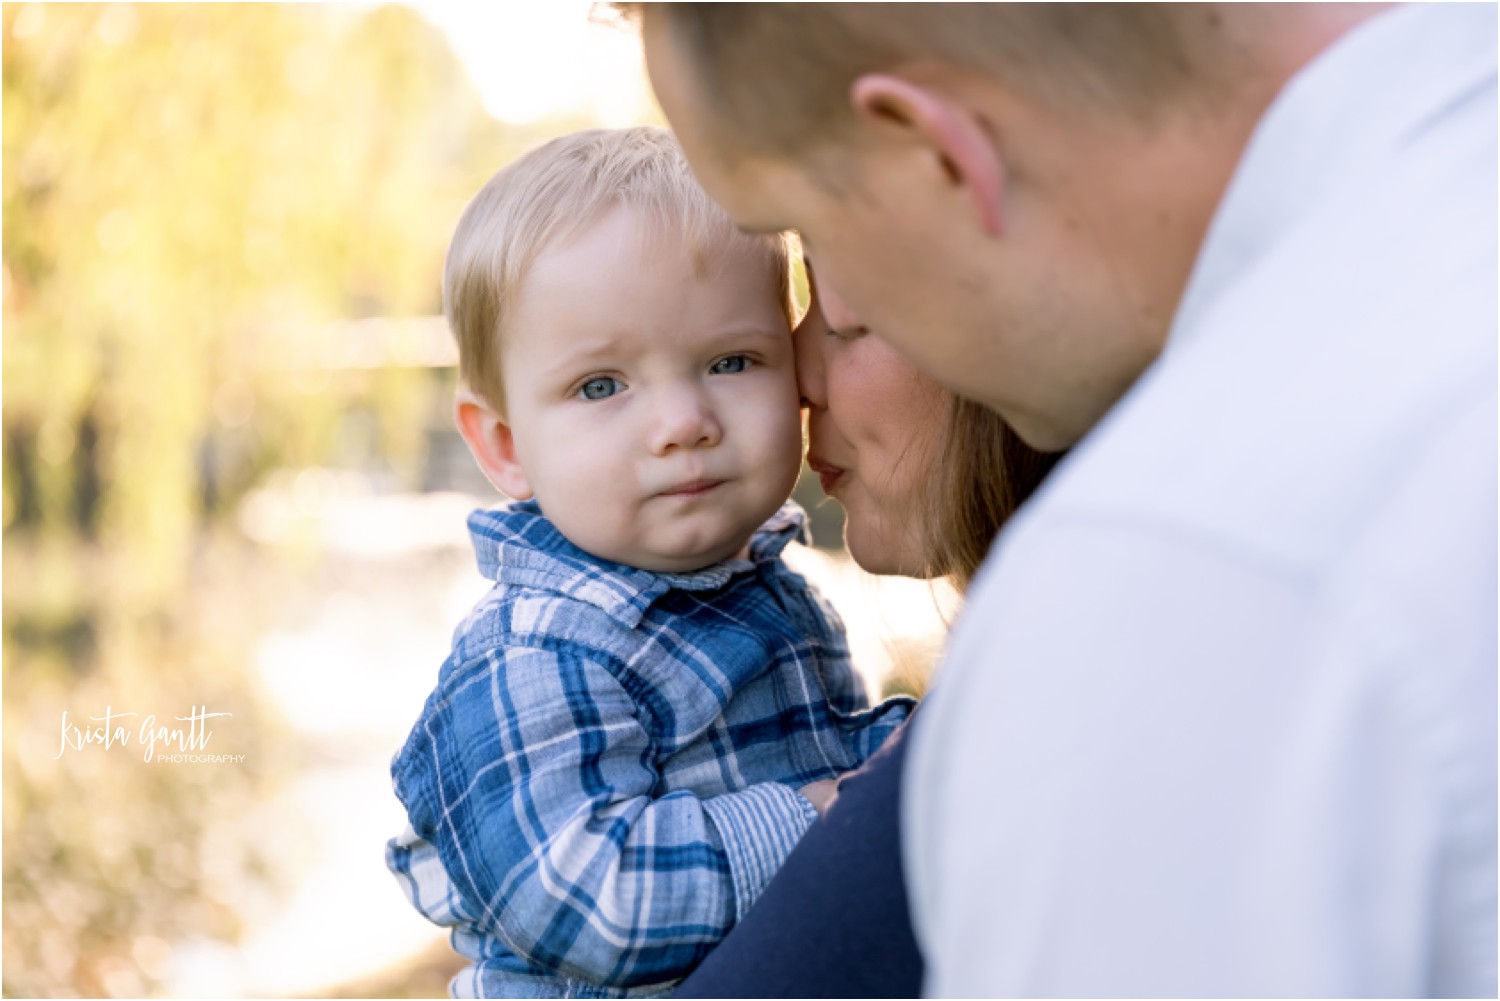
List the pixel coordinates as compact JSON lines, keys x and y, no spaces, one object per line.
{"x":874,"y":426}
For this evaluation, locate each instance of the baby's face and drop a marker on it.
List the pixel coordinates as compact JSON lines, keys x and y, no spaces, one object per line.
{"x":654,"y":405}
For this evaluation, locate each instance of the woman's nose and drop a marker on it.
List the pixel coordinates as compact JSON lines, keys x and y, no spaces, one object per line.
{"x":684,"y":419}
{"x":808,"y":342}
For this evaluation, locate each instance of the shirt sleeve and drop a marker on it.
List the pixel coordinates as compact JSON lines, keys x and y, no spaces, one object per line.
{"x":535,"y":779}
{"x":834,"y":922}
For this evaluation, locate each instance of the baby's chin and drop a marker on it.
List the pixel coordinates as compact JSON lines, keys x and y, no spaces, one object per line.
{"x":676,"y":551}
{"x":686,"y":559}
{"x":669,"y":541}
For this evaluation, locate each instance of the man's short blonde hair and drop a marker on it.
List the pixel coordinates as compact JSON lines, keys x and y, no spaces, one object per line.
{"x":555,"y":191}
{"x":778,"y":75}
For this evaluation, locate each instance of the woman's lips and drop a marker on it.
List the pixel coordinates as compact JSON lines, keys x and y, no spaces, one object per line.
{"x":694,"y":488}
{"x":829,"y":475}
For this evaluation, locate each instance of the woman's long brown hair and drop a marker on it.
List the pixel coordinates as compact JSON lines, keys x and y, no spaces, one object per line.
{"x":984,"y":472}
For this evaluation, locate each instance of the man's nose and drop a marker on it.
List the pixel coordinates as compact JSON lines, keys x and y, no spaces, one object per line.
{"x":684,"y":418}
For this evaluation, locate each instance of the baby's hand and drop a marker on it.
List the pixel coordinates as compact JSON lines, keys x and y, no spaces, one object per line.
{"x":821,"y":794}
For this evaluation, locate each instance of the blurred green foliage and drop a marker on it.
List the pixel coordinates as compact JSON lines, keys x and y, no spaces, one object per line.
{"x":187,"y":189}
{"x":191,"y":193}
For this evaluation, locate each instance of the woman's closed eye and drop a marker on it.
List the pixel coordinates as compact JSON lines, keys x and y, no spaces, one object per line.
{"x":732,"y":365}
{"x":601,"y":387}
{"x":848,"y":333}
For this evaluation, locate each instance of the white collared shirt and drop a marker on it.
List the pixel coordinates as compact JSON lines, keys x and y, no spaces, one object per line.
{"x":1220,"y":717}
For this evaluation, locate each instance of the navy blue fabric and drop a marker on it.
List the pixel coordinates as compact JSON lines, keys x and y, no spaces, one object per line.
{"x":834,"y":922}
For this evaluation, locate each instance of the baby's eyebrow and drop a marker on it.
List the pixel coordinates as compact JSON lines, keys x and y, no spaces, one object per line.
{"x":565,"y":360}
{"x":748,"y":333}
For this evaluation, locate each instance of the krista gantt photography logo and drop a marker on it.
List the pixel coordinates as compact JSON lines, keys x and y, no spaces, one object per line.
{"x":161,"y":743}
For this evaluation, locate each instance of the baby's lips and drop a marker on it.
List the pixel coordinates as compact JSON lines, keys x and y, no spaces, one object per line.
{"x":692,"y":487}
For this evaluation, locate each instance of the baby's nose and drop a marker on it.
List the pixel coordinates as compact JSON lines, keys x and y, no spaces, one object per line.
{"x":685,"y":419}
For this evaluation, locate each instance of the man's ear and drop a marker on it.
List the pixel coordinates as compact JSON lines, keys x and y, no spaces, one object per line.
{"x":490,"y":440}
{"x":965,"y":150}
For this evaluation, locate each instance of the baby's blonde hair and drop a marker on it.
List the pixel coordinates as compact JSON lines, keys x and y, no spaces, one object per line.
{"x":553,"y":192}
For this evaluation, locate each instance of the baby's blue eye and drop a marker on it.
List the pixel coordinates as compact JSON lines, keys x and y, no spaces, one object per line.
{"x":599,"y":389}
{"x":733,"y":365}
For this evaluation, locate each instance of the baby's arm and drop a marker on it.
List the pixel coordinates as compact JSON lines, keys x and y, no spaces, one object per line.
{"x":545,"y":808}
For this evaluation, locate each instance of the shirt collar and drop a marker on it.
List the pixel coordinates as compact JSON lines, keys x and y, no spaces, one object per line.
{"x":1370,"y":92}
{"x":516,"y":544}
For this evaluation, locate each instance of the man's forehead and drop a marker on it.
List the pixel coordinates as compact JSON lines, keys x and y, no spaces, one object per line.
{"x":739,"y":181}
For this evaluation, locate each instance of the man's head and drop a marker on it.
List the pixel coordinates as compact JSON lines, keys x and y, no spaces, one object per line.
{"x":625,"y":352}
{"x":1013,"y":194}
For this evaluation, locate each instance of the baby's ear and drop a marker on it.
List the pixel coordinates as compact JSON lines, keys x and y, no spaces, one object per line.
{"x":491,"y":443}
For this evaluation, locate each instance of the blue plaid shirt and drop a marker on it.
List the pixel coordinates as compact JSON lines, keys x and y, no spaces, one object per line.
{"x":605,"y":777}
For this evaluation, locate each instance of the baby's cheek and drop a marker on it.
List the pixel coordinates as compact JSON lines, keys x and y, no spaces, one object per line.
{"x":786,"y":452}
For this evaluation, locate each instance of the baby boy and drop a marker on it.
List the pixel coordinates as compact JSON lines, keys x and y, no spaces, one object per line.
{"x":641,"y":718}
